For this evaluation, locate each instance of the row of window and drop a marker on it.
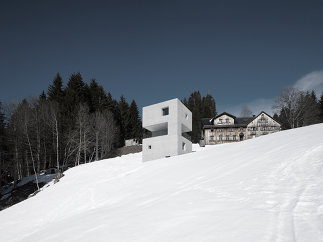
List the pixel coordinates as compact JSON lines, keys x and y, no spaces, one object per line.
{"x":227,"y":121}
{"x":269,"y":128}
{"x":221,"y":130}
{"x":263,"y":128}
{"x":262,"y":120}
{"x":227,"y":137}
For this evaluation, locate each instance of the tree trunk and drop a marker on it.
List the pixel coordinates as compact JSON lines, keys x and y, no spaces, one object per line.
{"x":80,"y":146}
{"x":32,"y":156}
{"x":56,"y":129}
{"x":38,"y":150}
{"x":96,"y":146}
{"x":84,"y":146}
{"x":17,"y":166}
{"x":45,"y":155}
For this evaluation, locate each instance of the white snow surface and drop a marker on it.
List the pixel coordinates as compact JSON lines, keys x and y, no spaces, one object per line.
{"x":265,"y":189}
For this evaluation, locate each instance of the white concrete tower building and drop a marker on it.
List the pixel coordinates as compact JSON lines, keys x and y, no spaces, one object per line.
{"x":168,"y":121}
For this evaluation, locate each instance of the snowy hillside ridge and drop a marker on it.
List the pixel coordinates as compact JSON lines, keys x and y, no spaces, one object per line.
{"x":264,"y":189}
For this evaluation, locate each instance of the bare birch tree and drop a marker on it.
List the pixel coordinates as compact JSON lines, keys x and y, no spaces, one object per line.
{"x":292,"y":103}
{"x":27,"y":110}
{"x":53,"y":120}
{"x":83,"y":129}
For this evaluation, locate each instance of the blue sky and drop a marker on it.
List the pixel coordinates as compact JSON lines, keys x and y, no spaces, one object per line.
{"x":241,"y":52}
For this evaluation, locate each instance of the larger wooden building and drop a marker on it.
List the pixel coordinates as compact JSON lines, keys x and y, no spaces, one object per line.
{"x":226,"y":128}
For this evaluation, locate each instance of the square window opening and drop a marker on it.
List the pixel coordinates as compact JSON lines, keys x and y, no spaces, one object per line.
{"x":165,"y":111}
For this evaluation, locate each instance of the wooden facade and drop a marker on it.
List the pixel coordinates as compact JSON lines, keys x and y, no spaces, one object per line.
{"x":226,"y":128}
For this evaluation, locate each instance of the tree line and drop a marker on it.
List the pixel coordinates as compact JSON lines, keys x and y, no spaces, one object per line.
{"x":67,"y":126}
{"x":295,"y":108}
{"x":79,"y":123}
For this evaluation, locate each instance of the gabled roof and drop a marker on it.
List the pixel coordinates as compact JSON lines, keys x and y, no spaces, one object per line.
{"x":208,"y":122}
{"x":225,"y":113}
{"x":266,"y":114}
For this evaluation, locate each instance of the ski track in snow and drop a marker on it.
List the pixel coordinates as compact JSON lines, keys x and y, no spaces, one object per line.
{"x":267,"y":189}
{"x":283,"y":225}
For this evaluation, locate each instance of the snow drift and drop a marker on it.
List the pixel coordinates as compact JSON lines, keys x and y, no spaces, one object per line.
{"x":265,"y":189}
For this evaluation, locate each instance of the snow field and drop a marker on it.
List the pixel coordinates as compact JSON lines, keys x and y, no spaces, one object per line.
{"x":265,"y":189}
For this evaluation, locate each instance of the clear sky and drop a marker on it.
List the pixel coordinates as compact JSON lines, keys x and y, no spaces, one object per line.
{"x":241,"y":52}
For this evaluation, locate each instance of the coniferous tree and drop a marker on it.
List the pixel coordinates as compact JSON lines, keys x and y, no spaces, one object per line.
{"x":2,"y":131}
{"x":134,"y":121}
{"x":124,"y":115}
{"x":113,"y":107}
{"x":55,"y":91}
{"x":76,"y":92}
{"x":98,"y":98}
{"x":194,"y":104}
{"x":311,"y":112}
{"x":42,"y":97}
{"x":321,"y":109}
{"x":3,"y":148}
{"x":208,"y":107}
{"x":275,"y":116}
{"x":283,"y":119}
{"x":201,"y":107}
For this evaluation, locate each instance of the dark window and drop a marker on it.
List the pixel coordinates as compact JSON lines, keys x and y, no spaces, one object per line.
{"x":165,"y":111}
{"x":227,"y":137}
{"x":212,"y":130}
{"x":149,"y":147}
{"x":183,"y":146}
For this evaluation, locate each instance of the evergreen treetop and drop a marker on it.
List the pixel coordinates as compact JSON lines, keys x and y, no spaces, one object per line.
{"x":55,"y":91}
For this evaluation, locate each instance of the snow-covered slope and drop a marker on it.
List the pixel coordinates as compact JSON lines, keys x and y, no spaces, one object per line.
{"x":266,"y":189}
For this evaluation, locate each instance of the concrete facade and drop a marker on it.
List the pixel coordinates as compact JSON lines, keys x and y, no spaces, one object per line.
{"x":168,"y":123}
